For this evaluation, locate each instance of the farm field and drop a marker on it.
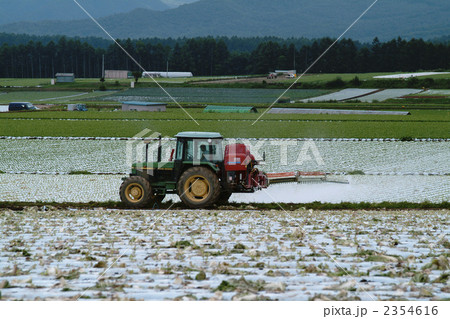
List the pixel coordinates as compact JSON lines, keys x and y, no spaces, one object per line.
{"x":389,"y":94}
{"x":266,"y":129}
{"x":8,"y":83}
{"x":421,"y":124}
{"x":175,"y":113}
{"x":376,"y":189}
{"x":327,"y":77}
{"x":343,"y":157}
{"x":365,"y":95}
{"x":310,"y":77}
{"x":219,"y":254}
{"x":386,"y":170}
{"x":26,"y":82}
{"x":436,"y":92}
{"x":409,"y":75}
{"x":223,"y":255}
{"x":210,"y":95}
{"x":340,"y":95}
{"x":365,"y":76}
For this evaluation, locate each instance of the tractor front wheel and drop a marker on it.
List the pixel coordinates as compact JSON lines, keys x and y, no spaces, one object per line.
{"x":136,"y":192}
{"x":199,"y":187}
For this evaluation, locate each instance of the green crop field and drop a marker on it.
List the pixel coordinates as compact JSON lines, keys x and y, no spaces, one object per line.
{"x":362,"y":76}
{"x":430,"y":116}
{"x":175,"y":113}
{"x":421,"y":124}
{"x":82,"y":82}
{"x":110,"y":83}
{"x":17,"y":82}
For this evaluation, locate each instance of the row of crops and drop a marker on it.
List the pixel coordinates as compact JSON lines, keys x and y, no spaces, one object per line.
{"x":343,"y":156}
{"x":84,"y":170}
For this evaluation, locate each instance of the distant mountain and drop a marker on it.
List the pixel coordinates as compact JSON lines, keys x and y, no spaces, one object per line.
{"x":176,"y":3}
{"x":284,"y":18}
{"x":65,"y":10}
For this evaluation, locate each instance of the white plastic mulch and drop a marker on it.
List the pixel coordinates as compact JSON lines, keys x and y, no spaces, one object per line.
{"x":341,"y":95}
{"x":388,"y":94}
{"x":408,"y":75}
{"x":435,"y":92}
{"x":373,"y":189}
{"x":361,"y":188}
{"x":364,"y":95}
{"x":282,"y":155}
{"x":224,"y":255}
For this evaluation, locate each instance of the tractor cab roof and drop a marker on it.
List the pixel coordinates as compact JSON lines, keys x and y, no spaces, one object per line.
{"x":199,"y":135}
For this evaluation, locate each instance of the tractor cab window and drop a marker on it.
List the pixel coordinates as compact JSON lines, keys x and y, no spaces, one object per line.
{"x":209,"y":150}
{"x":179,"y":154}
{"x":189,"y":151}
{"x":207,"y":153}
{"x":203,"y":150}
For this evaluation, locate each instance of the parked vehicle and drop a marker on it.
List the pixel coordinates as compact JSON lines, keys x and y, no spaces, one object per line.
{"x":21,"y":106}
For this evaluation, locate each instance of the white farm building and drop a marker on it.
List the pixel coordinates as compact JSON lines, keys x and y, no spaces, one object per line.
{"x":163,"y":74}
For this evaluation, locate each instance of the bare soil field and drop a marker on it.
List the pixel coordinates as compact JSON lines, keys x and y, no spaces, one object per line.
{"x":224,"y":255}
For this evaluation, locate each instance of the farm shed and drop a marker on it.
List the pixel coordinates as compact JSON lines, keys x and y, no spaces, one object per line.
{"x":229,"y":109}
{"x":330,"y":111}
{"x":288,"y":73}
{"x":65,"y":77}
{"x":144,"y":106}
{"x":118,"y":74}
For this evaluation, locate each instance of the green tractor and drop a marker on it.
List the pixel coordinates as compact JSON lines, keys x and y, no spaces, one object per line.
{"x":199,"y":171}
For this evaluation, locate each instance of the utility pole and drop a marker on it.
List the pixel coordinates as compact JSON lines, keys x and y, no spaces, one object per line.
{"x":294,"y":58}
{"x":103,"y":66}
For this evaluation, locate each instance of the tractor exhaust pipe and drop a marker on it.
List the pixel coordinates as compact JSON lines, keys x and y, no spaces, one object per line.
{"x":159,"y":149}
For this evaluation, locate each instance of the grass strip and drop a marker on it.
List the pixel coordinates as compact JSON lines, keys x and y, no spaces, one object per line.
{"x":239,"y":206}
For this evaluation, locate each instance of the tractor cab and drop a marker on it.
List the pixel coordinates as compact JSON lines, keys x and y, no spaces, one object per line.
{"x":198,"y":147}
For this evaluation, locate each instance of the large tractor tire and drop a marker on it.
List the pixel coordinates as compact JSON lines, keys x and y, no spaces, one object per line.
{"x":198,"y":187}
{"x":136,"y":192}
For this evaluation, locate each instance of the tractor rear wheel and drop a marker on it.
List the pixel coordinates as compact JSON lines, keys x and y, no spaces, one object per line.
{"x":136,"y":192}
{"x":198,"y":187}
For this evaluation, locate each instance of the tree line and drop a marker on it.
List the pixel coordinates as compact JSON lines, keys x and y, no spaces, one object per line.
{"x":210,"y":56}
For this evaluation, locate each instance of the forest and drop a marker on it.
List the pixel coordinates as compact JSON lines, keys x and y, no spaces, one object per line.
{"x":208,"y":56}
